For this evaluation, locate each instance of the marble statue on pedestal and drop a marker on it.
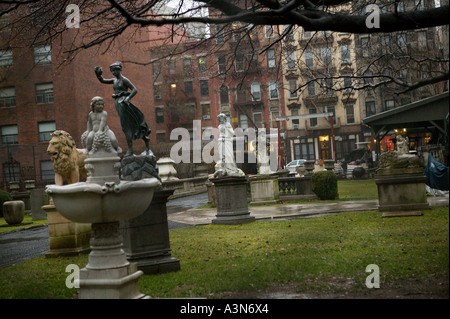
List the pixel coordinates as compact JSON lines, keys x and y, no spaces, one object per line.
{"x":226,"y":166}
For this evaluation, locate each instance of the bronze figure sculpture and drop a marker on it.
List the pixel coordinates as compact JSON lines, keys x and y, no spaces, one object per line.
{"x":132,"y":119}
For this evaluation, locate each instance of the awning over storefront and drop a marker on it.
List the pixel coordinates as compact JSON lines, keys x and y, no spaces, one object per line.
{"x":429,"y":112}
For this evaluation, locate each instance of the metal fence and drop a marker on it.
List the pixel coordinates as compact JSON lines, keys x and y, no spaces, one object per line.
{"x":20,"y":163}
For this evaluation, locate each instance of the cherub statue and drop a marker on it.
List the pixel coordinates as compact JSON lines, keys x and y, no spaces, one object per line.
{"x":98,"y":133}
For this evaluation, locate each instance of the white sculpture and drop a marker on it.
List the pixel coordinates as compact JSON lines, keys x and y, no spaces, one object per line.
{"x":226,"y":166}
{"x":402,"y":144}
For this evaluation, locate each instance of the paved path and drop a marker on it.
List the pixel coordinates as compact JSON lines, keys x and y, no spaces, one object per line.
{"x":205,"y":216}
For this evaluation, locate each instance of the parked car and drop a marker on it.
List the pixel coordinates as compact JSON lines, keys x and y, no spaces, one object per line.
{"x":292,"y":166}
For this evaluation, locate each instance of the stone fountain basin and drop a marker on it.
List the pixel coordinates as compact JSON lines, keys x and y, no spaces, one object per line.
{"x":93,"y":203}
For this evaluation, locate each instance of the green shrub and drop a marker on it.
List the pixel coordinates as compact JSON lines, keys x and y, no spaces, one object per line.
{"x":4,"y":197}
{"x":324,"y":185}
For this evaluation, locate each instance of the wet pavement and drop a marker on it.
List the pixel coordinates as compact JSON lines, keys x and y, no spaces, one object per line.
{"x":31,"y":242}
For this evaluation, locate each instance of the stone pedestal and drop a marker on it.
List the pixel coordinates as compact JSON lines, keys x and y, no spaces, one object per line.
{"x":264,"y":189}
{"x":66,"y":238}
{"x":400,"y":192}
{"x":38,"y":198}
{"x":211,"y":193}
{"x":231,"y":197}
{"x":108,"y":274}
{"x":146,"y":237}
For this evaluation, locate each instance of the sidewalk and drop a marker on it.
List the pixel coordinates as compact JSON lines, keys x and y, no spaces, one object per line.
{"x":205,"y":216}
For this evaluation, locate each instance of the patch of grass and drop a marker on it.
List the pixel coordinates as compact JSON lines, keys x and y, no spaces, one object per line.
{"x":27,"y":222}
{"x":315,"y":254}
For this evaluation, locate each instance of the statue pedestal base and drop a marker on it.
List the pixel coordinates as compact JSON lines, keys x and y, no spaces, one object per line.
{"x":66,"y":238}
{"x":108,"y":274}
{"x":264,"y":189}
{"x":146,"y":237}
{"x":231,"y":197}
{"x":402,"y":192}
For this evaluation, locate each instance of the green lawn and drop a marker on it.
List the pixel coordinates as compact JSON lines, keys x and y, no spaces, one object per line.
{"x":27,"y":222}
{"x":324,"y":254}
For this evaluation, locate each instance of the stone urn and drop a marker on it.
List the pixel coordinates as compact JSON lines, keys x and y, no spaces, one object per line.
{"x":328,"y":165}
{"x":309,"y":167}
{"x":14,"y":212}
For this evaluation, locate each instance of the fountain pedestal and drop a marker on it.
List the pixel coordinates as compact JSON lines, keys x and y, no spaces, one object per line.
{"x":108,"y":274}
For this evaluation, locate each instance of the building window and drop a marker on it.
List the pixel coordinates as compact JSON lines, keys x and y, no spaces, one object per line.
{"x":7,"y":97}
{"x":325,"y":54}
{"x":311,"y":88}
{"x":6,"y":58}
{"x":312,"y":121}
{"x":44,"y":93}
{"x":256,"y":91}
{"x":47,"y":171}
{"x":157,"y":92}
{"x":271,"y":58}
{"x":290,"y":60}
{"x":243,"y":121}
{"x":156,"y":69}
{"x":401,"y":40}
{"x":370,"y":108}
{"x":42,"y":54}
{"x":45,"y":131}
{"x":273,"y":90}
{"x":159,"y":114}
{"x":389,"y":105}
{"x":327,"y":85}
{"x":422,"y":40}
{"x":331,"y":109}
{"x":10,"y":134}
{"x":173,"y":89}
{"x":350,"y":114}
{"x":268,"y":31}
{"x":224,"y":96}
{"x":273,"y":116}
{"x":204,"y":88}
{"x":348,"y":84}
{"x":171,"y":66}
{"x":188,"y":88}
{"x":385,"y":42}
{"x":239,"y":62}
{"x":289,"y":32}
{"x":187,"y":65}
{"x":222,"y":64}
{"x":241,"y":93}
{"x":345,"y":54}
{"x":365,"y":46}
{"x":309,"y":58}
{"x":258,"y":119}
{"x":419,"y":4}
{"x":220,"y":36}
{"x":202,"y":64}
{"x":206,"y":111}
{"x":293,"y":93}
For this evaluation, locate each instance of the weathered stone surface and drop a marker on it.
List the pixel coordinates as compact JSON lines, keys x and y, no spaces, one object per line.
{"x":231,"y":196}
{"x":264,"y":189}
{"x":139,"y":167}
{"x":14,"y":212}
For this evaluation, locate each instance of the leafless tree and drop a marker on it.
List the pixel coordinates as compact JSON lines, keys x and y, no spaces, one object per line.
{"x":102,"y":21}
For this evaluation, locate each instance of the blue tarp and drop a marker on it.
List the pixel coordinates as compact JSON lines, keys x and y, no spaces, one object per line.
{"x":437,"y":174}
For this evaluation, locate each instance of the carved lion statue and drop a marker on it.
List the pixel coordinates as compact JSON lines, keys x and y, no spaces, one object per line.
{"x":68,"y":161}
